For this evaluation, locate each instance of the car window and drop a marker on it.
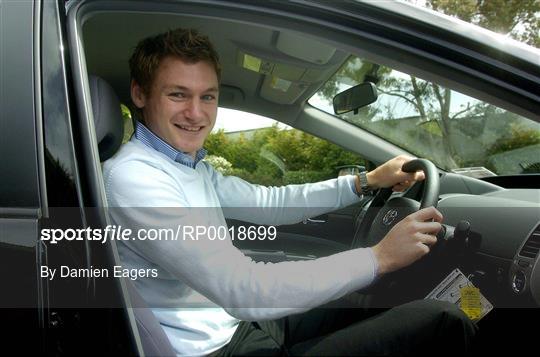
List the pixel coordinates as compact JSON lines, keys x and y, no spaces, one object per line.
{"x":276,"y":155}
{"x":457,"y":132}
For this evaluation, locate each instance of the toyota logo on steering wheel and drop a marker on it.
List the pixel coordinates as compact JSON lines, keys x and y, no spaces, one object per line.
{"x":389,"y":217}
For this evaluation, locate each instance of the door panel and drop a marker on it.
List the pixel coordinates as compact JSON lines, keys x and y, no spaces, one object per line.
{"x":323,"y":235}
{"x":20,"y":202}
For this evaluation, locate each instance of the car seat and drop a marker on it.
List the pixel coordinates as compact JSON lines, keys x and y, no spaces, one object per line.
{"x":109,"y":127}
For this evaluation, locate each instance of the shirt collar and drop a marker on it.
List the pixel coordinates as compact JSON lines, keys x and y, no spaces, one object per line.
{"x":155,"y":142}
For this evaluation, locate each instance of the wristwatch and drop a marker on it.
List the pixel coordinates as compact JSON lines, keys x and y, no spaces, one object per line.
{"x":364,"y":187}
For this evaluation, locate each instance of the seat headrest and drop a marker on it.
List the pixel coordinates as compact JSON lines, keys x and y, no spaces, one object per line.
{"x":108,"y":120}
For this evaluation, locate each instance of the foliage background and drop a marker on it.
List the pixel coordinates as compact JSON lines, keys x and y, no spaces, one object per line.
{"x":276,"y":157}
{"x":517,"y":19}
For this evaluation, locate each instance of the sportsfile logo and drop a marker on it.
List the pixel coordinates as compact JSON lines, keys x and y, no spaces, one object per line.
{"x":119,"y":233}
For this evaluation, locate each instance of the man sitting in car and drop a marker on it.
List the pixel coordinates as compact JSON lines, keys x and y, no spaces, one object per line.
{"x":206,"y":287}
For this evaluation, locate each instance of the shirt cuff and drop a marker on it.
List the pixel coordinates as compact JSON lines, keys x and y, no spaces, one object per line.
{"x":352,"y":183}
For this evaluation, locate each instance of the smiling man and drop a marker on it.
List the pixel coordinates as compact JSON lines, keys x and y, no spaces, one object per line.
{"x":208,"y":286}
{"x":180,"y":104}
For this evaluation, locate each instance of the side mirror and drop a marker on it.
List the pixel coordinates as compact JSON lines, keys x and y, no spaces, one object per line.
{"x":355,"y":98}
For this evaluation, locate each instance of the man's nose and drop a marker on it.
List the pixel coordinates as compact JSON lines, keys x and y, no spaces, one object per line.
{"x":194,"y":109}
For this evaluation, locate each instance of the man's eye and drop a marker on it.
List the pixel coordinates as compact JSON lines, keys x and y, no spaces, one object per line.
{"x":177,"y":95}
{"x":208,"y":97}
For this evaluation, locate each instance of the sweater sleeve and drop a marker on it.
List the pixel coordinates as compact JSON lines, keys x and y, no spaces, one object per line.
{"x":281,"y":205}
{"x":214,"y":267}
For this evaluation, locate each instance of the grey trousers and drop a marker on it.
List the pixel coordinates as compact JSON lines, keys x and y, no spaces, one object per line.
{"x":416,"y":328}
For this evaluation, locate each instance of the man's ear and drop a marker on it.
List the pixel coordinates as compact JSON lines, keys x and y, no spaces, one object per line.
{"x":137,"y":95}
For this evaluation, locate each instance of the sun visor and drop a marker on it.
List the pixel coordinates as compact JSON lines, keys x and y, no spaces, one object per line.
{"x":305,"y":49}
{"x":296,"y":64}
{"x":286,"y":71}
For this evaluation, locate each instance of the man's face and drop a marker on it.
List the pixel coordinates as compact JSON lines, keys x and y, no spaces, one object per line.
{"x":181,"y":107}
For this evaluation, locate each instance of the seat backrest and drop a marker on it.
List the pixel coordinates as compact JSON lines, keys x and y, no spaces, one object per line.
{"x":108,"y":120}
{"x":109,"y":126}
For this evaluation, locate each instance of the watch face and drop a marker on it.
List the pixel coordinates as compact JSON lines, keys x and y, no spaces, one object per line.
{"x":363,"y":179}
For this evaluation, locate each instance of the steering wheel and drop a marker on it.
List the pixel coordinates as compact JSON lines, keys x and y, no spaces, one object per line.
{"x":384,"y":213}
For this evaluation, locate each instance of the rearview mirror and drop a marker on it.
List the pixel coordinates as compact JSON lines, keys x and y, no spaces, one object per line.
{"x":355,"y":98}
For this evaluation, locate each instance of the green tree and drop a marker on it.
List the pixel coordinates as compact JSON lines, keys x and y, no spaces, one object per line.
{"x":518,"y":137}
{"x":519,"y":19}
{"x":275,"y":157}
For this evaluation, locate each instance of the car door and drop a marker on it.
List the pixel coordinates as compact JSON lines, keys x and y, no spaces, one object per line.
{"x":43,"y":187}
{"x":21,"y":196}
{"x":83,"y":306}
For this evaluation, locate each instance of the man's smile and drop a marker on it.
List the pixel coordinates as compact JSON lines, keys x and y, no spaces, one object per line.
{"x":193,"y":129}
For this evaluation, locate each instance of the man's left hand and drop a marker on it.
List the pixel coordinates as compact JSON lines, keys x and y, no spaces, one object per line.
{"x":389,"y":174}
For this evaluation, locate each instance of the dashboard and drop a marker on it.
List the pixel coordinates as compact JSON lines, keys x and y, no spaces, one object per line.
{"x":506,"y":223}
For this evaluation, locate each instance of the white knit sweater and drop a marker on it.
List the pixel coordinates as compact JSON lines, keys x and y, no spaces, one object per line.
{"x":204,"y":286}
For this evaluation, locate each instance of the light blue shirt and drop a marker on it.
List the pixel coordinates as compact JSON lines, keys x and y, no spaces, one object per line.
{"x":155,"y":142}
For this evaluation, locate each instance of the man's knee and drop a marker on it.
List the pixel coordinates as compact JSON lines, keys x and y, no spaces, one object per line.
{"x":436,"y":308}
{"x":445,"y":317}
{"x":439,"y":313}
{"x":438,"y":323}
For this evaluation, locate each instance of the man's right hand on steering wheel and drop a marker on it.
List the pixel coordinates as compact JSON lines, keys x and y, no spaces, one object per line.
{"x":408,"y":240}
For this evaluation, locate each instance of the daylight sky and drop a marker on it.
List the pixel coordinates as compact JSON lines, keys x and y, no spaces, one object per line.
{"x":233,"y":120}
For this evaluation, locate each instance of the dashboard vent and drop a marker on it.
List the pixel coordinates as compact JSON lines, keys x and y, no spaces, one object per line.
{"x":532,"y":246}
